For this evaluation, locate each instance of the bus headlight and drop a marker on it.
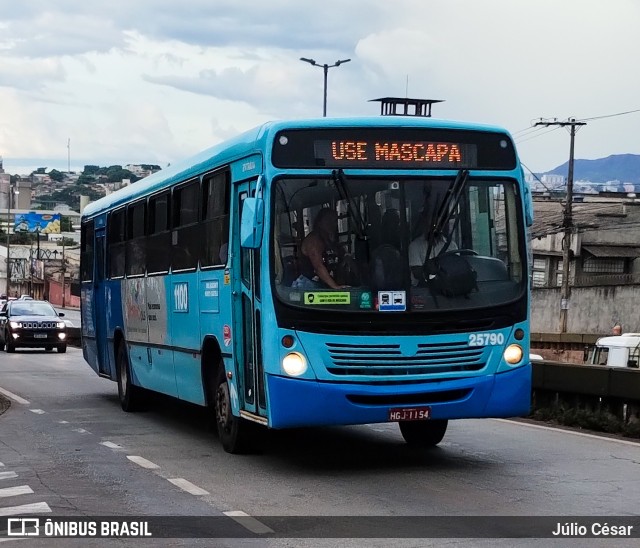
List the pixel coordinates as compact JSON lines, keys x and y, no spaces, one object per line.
{"x":513,"y":354}
{"x":294,"y":364}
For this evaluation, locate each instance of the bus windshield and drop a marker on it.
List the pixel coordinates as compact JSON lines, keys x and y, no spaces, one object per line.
{"x":403,"y":245}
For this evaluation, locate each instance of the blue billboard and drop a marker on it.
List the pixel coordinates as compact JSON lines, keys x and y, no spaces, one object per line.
{"x":37,"y":222}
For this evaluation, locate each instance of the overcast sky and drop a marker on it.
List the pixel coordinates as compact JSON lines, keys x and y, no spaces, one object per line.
{"x":153,"y":81}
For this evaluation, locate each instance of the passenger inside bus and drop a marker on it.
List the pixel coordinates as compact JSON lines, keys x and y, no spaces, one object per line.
{"x":322,"y":255}
{"x":386,"y":272}
{"x":419,"y":248}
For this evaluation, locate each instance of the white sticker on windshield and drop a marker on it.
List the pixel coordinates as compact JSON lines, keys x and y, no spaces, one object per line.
{"x":392,"y":301}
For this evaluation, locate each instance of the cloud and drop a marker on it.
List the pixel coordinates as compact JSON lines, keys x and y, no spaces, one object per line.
{"x":31,"y":75}
{"x":159,"y":78}
{"x":57,"y":34}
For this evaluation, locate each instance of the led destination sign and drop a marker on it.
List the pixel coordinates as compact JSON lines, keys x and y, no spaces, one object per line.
{"x":393,"y":148}
{"x":389,"y":153}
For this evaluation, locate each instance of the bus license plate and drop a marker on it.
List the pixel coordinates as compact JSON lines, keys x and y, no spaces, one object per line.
{"x":409,"y":413}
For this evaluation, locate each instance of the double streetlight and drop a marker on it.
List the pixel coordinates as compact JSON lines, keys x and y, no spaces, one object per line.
{"x":326,"y":68}
{"x":10,"y":193}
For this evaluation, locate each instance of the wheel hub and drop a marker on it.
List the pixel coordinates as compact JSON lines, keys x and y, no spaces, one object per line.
{"x":223,"y":406}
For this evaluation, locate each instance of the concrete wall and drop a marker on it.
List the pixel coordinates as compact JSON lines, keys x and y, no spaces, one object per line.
{"x":55,"y":295}
{"x":591,"y":309}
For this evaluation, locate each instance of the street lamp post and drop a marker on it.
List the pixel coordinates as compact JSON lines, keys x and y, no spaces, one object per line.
{"x":326,"y":68}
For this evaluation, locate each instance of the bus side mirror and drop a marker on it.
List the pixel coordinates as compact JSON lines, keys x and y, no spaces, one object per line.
{"x":252,"y":223}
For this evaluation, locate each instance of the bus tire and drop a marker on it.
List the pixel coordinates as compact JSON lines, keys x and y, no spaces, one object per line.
{"x":129,"y":395}
{"x":423,"y":433}
{"x":234,"y":432}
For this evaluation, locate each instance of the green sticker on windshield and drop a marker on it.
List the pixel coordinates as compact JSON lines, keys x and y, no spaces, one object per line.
{"x":365,"y":300}
{"x":326,"y":297}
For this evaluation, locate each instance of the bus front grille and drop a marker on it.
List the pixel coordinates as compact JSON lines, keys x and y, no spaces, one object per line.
{"x":390,"y":360}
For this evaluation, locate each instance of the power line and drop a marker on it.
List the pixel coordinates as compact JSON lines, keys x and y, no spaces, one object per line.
{"x":535,"y":136}
{"x":610,"y":115}
{"x":538,"y":178}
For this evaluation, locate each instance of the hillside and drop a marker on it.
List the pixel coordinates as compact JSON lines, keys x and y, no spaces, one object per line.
{"x":622,"y":167}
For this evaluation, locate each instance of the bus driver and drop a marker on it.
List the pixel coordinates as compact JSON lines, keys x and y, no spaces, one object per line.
{"x":321,"y":253}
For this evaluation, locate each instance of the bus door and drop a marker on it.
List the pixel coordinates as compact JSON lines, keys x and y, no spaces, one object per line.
{"x":100,"y":299}
{"x":248,"y":316}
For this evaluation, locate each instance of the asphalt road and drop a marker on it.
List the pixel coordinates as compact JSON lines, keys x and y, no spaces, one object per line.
{"x":67,"y":449}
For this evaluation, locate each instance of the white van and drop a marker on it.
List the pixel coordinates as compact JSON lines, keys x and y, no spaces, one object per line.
{"x":617,"y":351}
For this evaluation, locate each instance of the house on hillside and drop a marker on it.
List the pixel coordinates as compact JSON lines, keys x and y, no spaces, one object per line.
{"x":604,"y":273}
{"x":604,"y":246}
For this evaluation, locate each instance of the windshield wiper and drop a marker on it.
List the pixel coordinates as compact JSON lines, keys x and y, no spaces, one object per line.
{"x":339,"y":180}
{"x":445,"y":212}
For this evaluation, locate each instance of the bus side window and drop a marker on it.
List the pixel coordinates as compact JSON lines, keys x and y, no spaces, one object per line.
{"x":159,"y":239}
{"x":116,"y":239}
{"x":86,"y":251}
{"x":135,"y":261}
{"x":185,"y":237}
{"x":215,"y":219}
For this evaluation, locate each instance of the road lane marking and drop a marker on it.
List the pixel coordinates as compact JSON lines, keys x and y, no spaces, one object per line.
{"x":14,"y":491}
{"x":141,"y":461}
{"x":8,"y":475}
{"x":63,"y":422}
{"x":36,"y":507}
{"x":37,"y":411}
{"x":248,"y":522}
{"x":14,"y":397}
{"x":81,"y":431}
{"x":188,"y":486}
{"x":110,"y":445}
{"x":563,"y":431}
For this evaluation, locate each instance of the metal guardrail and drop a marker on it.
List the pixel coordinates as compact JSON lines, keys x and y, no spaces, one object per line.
{"x":619,"y":383}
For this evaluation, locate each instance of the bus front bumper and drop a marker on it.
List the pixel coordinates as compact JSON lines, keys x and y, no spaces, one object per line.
{"x":297,"y":403}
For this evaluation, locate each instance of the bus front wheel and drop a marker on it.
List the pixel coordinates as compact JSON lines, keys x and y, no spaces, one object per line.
{"x":423,"y":433}
{"x":234,"y":432}
{"x":129,"y":394}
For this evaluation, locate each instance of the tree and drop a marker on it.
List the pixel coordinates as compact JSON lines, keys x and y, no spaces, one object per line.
{"x":56,"y":175}
{"x":91,"y":170}
{"x":65,"y":224}
{"x":85,"y":179}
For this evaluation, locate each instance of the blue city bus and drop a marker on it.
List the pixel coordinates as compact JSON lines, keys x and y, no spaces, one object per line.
{"x":209,"y":281}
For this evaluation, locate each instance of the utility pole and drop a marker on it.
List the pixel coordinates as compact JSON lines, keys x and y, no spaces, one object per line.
{"x":64,"y":273}
{"x":567,"y":222}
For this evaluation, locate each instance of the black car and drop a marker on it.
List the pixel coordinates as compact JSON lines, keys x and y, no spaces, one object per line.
{"x":31,"y":324}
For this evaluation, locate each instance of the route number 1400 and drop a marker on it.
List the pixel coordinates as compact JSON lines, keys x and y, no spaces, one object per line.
{"x":486,"y":339}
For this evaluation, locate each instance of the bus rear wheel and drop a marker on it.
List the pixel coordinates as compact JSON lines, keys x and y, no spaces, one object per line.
{"x":130,"y":395}
{"x":236,"y":434}
{"x":423,"y":433}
